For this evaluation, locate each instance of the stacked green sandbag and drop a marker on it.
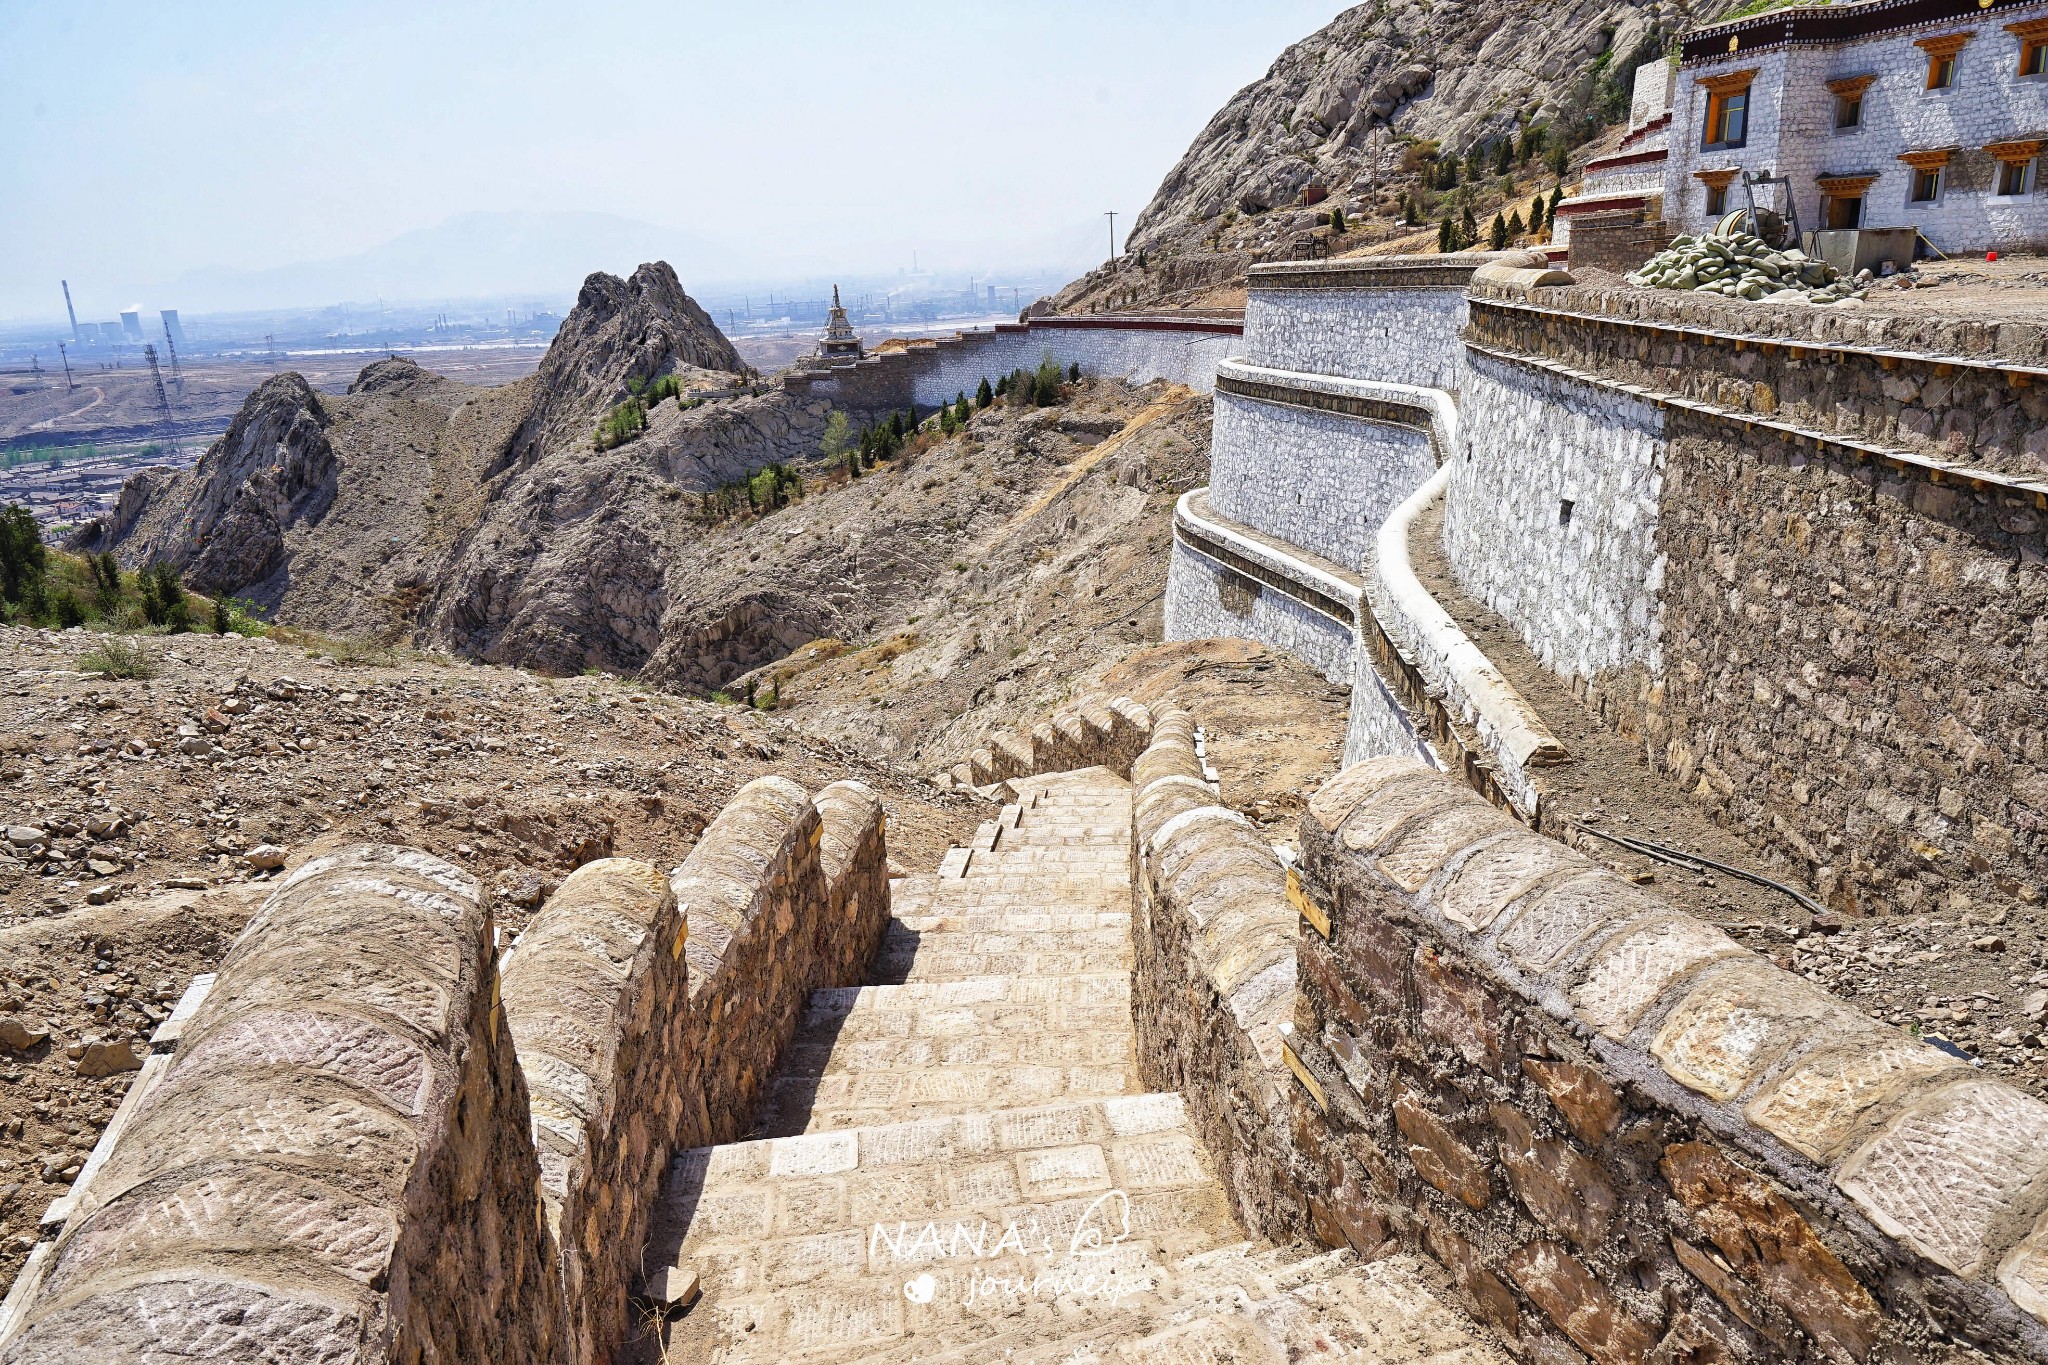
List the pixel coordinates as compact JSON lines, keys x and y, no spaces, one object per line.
{"x":1744,"y":267}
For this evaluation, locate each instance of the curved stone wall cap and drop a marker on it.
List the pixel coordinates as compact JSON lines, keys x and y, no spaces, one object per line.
{"x":1200,"y":813}
{"x":1520,"y":280}
{"x":1342,"y":794}
{"x":1523,"y":735}
{"x":1953,"y":1171}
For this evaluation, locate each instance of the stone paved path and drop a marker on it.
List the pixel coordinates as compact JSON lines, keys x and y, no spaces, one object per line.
{"x":957,"y":1162}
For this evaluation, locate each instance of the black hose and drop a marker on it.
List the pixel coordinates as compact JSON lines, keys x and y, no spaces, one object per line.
{"x":1681,"y":858}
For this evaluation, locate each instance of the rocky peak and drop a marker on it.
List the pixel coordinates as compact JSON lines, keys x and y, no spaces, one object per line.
{"x":1339,"y":109}
{"x":637,"y":329}
{"x":397,"y":375}
{"x":224,"y":520}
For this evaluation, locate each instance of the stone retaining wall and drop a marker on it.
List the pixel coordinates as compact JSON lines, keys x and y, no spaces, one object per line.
{"x":1137,"y":348}
{"x":1964,"y":396}
{"x":1616,"y":1128}
{"x":335,"y":1166}
{"x":597,"y":997}
{"x":1213,"y":975}
{"x":1214,"y":591}
{"x":630,"y":1059}
{"x":1550,"y":519}
{"x":1315,"y":461}
{"x":1094,"y":732}
{"x":1833,"y":644}
{"x":1393,"y":318}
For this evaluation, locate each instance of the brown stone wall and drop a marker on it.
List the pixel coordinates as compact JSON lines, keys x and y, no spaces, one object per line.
{"x":1855,"y":671}
{"x":1213,"y":974}
{"x":621,"y":1044}
{"x":753,"y":893}
{"x":597,"y":997}
{"x":1854,"y":666}
{"x":1954,"y":392}
{"x":1618,"y":242}
{"x":335,"y":1166}
{"x":1094,"y":732}
{"x":854,"y":860}
{"x":1625,"y":1137}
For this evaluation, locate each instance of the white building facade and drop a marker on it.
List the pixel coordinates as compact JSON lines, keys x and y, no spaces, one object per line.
{"x":1930,"y":114}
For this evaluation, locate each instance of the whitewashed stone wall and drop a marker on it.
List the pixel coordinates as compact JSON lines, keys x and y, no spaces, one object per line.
{"x":1792,"y":130}
{"x":1398,"y":335}
{"x":931,"y":375}
{"x":1137,"y":355}
{"x":1206,"y":599}
{"x":1582,"y":591}
{"x":1377,"y":725}
{"x":1320,"y":480}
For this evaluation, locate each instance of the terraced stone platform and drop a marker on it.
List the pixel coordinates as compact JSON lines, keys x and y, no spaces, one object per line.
{"x":957,"y":1164}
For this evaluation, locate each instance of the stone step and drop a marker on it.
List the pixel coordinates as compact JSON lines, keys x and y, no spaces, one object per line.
{"x":1058,"y":1332}
{"x":806,"y":1244}
{"x":966,"y":921}
{"x":935,"y":1045}
{"x":909,"y":955}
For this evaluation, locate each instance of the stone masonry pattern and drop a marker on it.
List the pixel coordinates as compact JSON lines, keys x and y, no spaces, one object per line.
{"x":1616,"y":1128}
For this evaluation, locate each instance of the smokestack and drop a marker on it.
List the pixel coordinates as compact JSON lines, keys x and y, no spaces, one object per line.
{"x":72,"y":311}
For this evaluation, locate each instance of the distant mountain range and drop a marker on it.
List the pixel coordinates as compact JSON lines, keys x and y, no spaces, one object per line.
{"x":470,"y":256}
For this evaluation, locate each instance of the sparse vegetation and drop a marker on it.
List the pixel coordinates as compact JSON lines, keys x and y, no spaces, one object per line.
{"x":118,"y":658}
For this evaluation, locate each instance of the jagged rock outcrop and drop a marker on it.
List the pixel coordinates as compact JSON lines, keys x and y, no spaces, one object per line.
{"x":224,"y":521}
{"x":635,"y":329}
{"x":484,"y":520}
{"x":1341,"y":108}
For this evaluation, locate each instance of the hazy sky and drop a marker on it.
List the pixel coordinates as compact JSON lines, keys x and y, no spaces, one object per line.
{"x":145,"y":141}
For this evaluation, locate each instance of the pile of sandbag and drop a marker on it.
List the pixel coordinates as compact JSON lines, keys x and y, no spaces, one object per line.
{"x":1744,"y":267}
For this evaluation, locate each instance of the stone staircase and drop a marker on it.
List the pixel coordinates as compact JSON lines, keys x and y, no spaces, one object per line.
{"x":957,"y":1163}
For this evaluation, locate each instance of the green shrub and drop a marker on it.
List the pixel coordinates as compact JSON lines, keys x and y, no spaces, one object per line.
{"x":23,"y":560}
{"x":106,"y":584}
{"x":118,"y":658}
{"x":984,"y":395}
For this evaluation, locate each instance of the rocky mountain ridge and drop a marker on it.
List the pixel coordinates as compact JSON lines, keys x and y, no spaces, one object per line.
{"x":1351,"y":108}
{"x":483,"y":520}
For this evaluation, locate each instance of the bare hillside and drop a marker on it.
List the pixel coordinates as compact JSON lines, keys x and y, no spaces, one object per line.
{"x":1363,"y":112}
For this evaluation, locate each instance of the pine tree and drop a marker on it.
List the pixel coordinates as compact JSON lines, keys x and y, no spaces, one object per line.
{"x":1447,"y":173}
{"x":1446,"y":236}
{"x":222,"y":622}
{"x":895,"y":424}
{"x":106,"y":583}
{"x":1337,"y":222}
{"x":1074,"y":372}
{"x":1468,"y":228}
{"x":750,"y":691}
{"x":1536,"y":213}
{"x":1515,"y":228}
{"x":983,"y":396}
{"x":1503,"y":157}
{"x":1413,"y":210}
{"x":1560,"y":159}
{"x":22,"y":556}
{"x":1550,"y":214}
{"x":961,"y":412}
{"x":1497,"y":235}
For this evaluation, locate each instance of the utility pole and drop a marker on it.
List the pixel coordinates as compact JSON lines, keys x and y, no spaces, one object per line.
{"x":69,"y":387}
{"x":72,"y":311}
{"x":163,"y":401}
{"x":177,"y":375}
{"x":1112,"y":236}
